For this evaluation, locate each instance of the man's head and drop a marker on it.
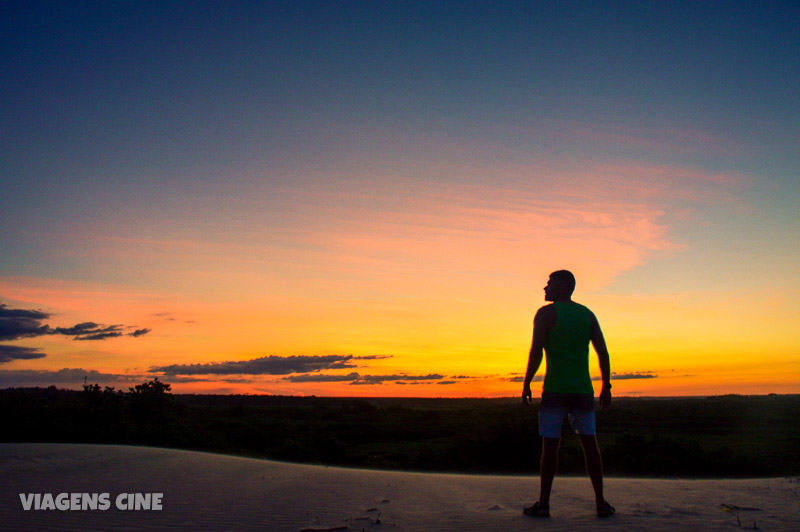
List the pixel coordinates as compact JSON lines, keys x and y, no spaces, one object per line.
{"x":560,"y":286}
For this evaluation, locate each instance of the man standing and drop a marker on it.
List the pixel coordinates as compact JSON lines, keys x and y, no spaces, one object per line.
{"x":563,"y":331}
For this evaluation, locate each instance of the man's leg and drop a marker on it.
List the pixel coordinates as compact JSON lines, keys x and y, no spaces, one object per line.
{"x":549,"y":465}
{"x":594,"y":465}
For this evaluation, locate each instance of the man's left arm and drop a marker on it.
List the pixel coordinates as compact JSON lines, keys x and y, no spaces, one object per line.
{"x":599,"y":343}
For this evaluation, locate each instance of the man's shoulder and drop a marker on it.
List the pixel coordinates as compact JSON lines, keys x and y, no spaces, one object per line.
{"x":586,"y":313}
{"x":583,"y":308}
{"x":546,"y":312}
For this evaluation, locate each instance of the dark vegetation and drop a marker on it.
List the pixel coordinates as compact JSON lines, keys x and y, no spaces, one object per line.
{"x":722,"y":436}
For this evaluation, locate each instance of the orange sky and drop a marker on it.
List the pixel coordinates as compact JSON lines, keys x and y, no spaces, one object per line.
{"x":442,"y":286}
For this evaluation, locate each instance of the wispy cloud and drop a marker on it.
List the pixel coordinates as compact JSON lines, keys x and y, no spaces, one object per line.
{"x":410,"y":229}
{"x":421,"y":229}
{"x":168,"y":316}
{"x":669,"y":141}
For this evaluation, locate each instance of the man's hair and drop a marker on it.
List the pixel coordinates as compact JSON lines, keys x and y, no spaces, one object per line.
{"x":566,"y":277}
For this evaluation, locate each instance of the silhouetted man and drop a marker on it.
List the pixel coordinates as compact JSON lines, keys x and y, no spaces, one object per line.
{"x":563,"y":331}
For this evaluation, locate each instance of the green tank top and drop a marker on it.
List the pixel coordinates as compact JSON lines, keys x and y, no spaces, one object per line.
{"x":567,"y":350}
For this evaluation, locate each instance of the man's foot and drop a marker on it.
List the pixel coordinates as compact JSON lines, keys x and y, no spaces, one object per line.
{"x":605,"y":509}
{"x":537,"y":510}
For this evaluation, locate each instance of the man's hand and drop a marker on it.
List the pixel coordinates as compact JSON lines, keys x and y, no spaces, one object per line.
{"x":527,"y":396}
{"x":605,"y":399}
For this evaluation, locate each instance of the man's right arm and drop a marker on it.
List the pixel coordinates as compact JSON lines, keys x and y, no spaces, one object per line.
{"x":540,"y":327}
{"x":599,"y":343}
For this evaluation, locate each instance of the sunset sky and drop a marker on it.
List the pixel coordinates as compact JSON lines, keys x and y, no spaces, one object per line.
{"x":366,"y":198}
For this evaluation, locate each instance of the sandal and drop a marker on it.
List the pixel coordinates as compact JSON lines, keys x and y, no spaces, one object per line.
{"x":605,"y":510}
{"x":537,"y":510}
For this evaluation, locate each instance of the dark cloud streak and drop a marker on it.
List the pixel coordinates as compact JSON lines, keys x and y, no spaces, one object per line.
{"x":357,"y":379}
{"x":629,"y":376}
{"x":270,"y":365}
{"x":323,"y":377}
{"x":16,"y":352}
{"x":99,"y":336}
{"x":19,"y":323}
{"x":380,"y":379}
{"x":64,"y":375}
{"x":89,"y":331}
{"x":520,"y":378}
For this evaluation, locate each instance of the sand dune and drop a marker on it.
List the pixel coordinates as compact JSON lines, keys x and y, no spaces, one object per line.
{"x":216,"y":492}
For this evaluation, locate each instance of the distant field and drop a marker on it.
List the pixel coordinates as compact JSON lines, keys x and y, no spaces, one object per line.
{"x":725,"y":436}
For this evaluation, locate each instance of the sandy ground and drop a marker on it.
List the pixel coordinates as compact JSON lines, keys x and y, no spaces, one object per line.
{"x":217,"y":492}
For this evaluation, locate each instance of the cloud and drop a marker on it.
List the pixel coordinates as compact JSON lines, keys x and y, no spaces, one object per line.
{"x":357,"y":379}
{"x":380,"y":379}
{"x":458,"y":229}
{"x":89,"y":331}
{"x":81,"y":328}
{"x":614,"y":376}
{"x":99,"y":336}
{"x":180,"y":380}
{"x":520,"y":378}
{"x":323,"y":377}
{"x":19,"y":323}
{"x":446,"y":382}
{"x":64,"y":375}
{"x":270,"y":365}
{"x":169,"y":316}
{"x":15,"y":352}
{"x":628,"y":376}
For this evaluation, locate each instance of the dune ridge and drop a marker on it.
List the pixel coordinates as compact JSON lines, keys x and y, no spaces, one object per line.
{"x":220,"y":492}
